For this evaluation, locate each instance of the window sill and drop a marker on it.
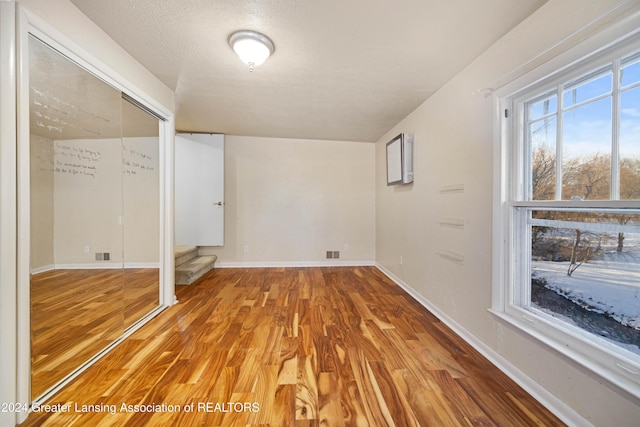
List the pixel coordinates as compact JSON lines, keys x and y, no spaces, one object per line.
{"x":606,"y":364}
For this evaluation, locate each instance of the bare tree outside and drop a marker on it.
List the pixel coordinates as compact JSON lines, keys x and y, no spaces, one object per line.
{"x":583,"y":178}
{"x":543,"y":173}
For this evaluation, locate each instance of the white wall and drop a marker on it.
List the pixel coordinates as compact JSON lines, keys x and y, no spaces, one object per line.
{"x":87,"y":200}
{"x":141,"y":201}
{"x":291,"y":200}
{"x":105,"y":197}
{"x":441,"y":224}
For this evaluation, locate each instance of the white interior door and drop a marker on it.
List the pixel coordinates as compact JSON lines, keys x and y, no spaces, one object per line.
{"x":199,"y":193}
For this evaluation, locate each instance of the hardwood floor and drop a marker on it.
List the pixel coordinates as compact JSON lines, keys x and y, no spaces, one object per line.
{"x":77,"y":313}
{"x":336,"y":346}
{"x":141,"y":293}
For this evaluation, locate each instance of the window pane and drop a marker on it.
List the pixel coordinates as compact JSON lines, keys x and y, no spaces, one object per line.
{"x":542,"y":135}
{"x":630,"y":144}
{"x":587,"y":277}
{"x":542,"y":108}
{"x":588,"y":90}
{"x":630,"y":74}
{"x":586,"y":151}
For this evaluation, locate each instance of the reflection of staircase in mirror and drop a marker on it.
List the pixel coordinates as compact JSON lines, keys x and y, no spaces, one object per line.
{"x":190,"y":266}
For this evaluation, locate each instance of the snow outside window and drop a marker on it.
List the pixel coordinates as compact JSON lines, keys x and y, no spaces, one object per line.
{"x":584,"y":270}
{"x":571,"y":246}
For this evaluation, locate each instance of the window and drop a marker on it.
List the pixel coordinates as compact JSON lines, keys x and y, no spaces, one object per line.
{"x":570,"y":185}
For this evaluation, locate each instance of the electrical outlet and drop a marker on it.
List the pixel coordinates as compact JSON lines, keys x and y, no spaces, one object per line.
{"x":87,"y":249}
{"x":246,"y":249}
{"x":346,"y":247}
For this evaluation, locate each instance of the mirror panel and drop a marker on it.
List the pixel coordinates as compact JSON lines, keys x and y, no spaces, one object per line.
{"x":86,"y":171}
{"x":141,"y":208}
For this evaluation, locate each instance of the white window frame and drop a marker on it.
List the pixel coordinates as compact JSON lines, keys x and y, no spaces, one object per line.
{"x":511,"y":263}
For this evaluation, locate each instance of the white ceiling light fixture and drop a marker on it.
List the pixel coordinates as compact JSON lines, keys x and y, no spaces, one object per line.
{"x":252,"y":47}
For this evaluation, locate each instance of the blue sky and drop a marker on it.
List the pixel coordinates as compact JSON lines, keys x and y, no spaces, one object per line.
{"x":587,"y":128}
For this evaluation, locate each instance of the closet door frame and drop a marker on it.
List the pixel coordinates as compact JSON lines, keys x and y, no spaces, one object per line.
{"x":26,"y":24}
{"x":9,"y":390}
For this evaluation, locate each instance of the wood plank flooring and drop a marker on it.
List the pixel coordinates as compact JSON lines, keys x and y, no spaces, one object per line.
{"x":77,"y":313}
{"x":335,"y":346}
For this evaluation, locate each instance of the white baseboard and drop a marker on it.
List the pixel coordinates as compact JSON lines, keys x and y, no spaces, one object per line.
{"x":43,"y":269}
{"x":94,"y":266}
{"x":277,"y":264}
{"x":89,"y":266}
{"x":541,"y":394}
{"x":142,"y":265}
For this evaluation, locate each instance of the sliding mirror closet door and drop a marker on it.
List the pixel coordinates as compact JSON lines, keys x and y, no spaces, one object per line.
{"x":94,"y":211}
{"x":76,"y":201}
{"x":141,"y":207}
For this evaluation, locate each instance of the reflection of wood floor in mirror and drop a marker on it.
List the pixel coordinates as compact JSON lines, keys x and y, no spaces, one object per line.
{"x":335,"y":346}
{"x":76,"y":313}
{"x":141,"y":293}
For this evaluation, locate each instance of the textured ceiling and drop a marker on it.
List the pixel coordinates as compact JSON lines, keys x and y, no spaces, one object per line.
{"x":342,"y":69}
